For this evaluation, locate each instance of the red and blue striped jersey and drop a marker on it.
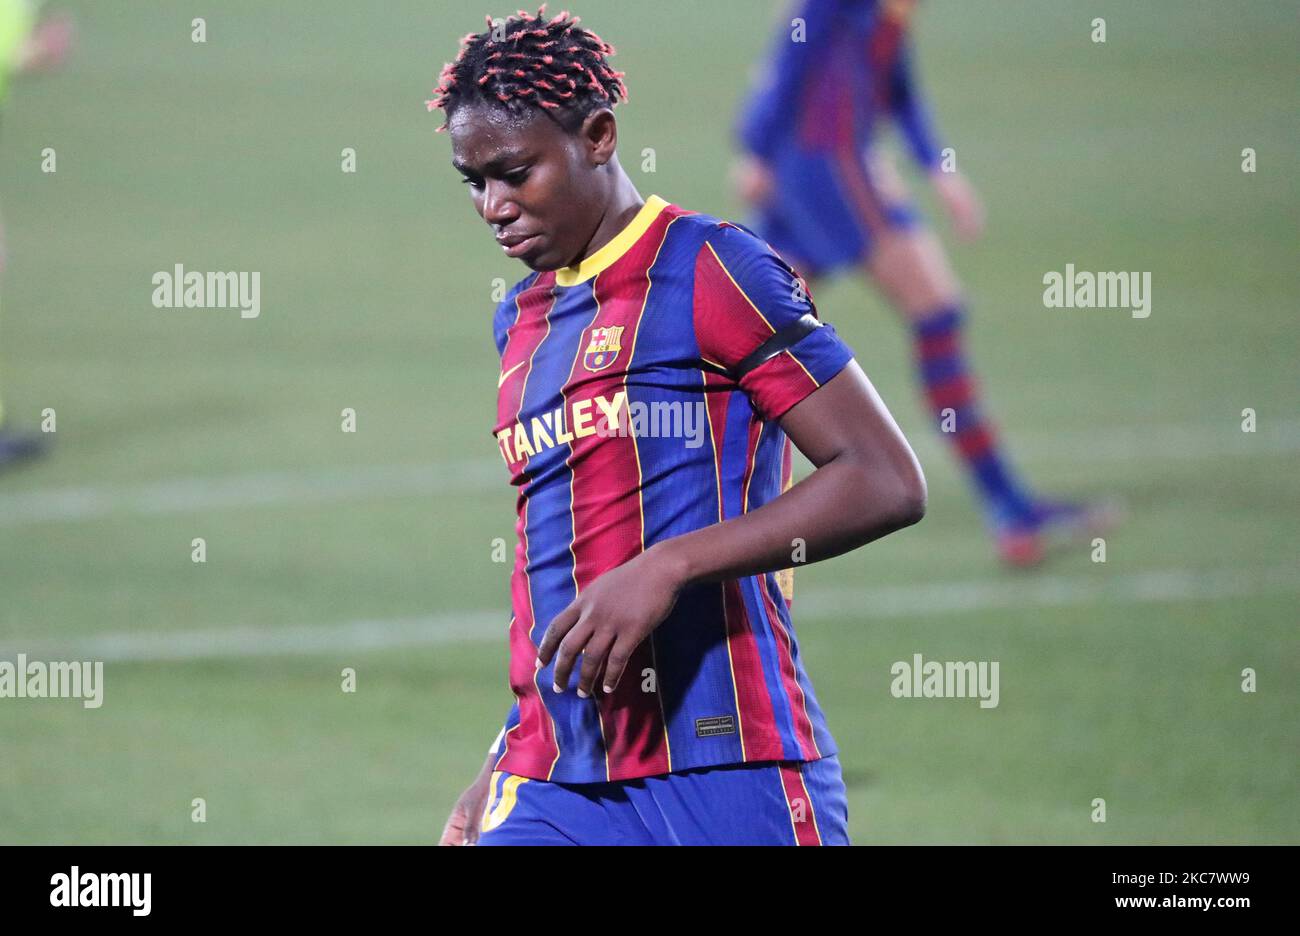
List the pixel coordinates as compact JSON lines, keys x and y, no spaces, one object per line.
{"x":632,"y":408}
{"x":832,"y":75}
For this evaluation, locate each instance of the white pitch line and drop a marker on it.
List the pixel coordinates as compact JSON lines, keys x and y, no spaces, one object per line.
{"x":75,"y":504}
{"x":55,"y":505}
{"x":1136,"y":443}
{"x":1049,"y":591}
{"x":854,"y":604}
{"x":246,"y":641}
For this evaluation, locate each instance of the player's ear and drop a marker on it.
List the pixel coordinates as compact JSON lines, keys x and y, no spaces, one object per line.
{"x":599,"y":132}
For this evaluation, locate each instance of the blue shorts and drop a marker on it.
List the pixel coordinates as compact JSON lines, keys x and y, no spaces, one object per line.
{"x":771,"y":803}
{"x":827,"y":210}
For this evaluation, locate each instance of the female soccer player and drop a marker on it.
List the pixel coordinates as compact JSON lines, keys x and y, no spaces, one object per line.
{"x":655,"y":367}
{"x":828,"y":201}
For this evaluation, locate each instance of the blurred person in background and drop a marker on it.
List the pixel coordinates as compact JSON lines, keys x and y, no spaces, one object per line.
{"x":29,"y":44}
{"x":828,"y":200}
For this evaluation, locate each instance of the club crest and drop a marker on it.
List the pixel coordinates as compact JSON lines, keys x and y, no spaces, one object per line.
{"x":603,"y":348}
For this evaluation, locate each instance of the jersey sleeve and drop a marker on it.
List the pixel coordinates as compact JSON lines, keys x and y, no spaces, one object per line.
{"x":754,"y":319}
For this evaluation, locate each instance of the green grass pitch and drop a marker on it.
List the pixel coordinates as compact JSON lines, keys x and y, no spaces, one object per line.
{"x":1119,"y":680}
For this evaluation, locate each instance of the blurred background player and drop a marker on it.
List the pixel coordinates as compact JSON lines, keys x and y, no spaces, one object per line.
{"x":827,"y":200}
{"x":29,"y":44}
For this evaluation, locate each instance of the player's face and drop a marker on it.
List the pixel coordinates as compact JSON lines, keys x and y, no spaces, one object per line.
{"x":535,"y":185}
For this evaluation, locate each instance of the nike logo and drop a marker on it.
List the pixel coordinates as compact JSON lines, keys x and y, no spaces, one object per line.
{"x":502,"y":378}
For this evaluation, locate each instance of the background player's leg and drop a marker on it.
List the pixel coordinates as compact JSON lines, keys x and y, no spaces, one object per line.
{"x":4,"y":262}
{"x":15,"y":446}
{"x":910,"y":268}
{"x":27,"y":46}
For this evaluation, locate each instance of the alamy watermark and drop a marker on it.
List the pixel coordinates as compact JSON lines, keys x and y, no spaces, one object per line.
{"x":35,"y":679}
{"x":932,"y":679}
{"x":89,"y":889}
{"x":1087,"y":290}
{"x":181,"y":289}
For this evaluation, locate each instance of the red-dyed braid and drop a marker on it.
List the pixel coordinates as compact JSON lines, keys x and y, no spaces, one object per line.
{"x":532,"y":62}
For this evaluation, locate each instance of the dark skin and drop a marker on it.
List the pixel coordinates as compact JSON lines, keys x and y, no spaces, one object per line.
{"x":528,"y":176}
{"x":867,"y":484}
{"x":565,"y":194}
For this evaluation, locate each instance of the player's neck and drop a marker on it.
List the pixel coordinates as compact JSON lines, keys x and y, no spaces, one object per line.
{"x":621,"y":207}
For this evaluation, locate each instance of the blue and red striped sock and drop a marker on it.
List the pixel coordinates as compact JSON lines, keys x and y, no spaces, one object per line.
{"x":951,"y":394}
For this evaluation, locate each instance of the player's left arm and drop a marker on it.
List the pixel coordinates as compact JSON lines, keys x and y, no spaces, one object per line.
{"x":867,"y":484}
{"x":752,"y":317}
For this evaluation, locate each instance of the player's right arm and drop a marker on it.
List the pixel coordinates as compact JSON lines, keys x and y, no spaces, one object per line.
{"x":462,"y":827}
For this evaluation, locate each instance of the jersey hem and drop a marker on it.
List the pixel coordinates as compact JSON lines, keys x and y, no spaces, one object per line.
{"x":521,"y":765}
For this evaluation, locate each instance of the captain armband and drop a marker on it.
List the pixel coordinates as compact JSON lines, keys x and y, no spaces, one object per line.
{"x":783,"y":340}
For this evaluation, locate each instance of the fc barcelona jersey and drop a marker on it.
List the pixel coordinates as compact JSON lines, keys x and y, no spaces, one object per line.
{"x":639,"y":399}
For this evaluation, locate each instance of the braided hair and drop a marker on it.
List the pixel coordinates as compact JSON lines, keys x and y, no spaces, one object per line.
{"x":528,"y":61}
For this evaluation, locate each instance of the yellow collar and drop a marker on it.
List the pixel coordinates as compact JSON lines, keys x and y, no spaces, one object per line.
{"x":618,"y":245}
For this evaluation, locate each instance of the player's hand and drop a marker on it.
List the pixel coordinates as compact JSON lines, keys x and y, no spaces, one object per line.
{"x":754,"y":180}
{"x":608,"y":621}
{"x":462,"y":826}
{"x":962,"y":203}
